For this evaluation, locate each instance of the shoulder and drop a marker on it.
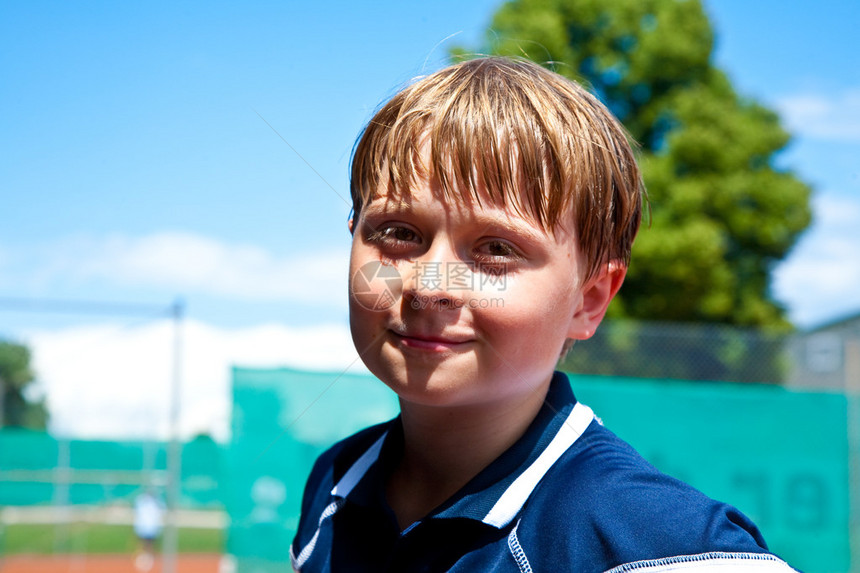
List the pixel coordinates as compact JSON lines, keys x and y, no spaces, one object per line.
{"x":332,"y":464}
{"x":344,"y":453}
{"x":608,"y":503}
{"x":327,"y":470}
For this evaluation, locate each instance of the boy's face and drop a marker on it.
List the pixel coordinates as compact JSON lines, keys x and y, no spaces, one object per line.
{"x":455,"y":304}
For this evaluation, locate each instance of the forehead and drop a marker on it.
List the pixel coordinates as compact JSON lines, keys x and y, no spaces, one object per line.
{"x":472,"y":181}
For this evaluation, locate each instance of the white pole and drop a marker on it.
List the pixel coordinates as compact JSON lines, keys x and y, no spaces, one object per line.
{"x":62,"y":485}
{"x":174,"y":453}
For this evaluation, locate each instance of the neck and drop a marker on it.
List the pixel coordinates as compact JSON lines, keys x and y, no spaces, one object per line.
{"x":444,"y":448}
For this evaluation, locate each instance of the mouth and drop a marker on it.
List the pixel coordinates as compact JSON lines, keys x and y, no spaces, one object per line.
{"x":430,"y":343}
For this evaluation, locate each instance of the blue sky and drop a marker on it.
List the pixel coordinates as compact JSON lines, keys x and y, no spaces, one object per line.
{"x":136,"y":166}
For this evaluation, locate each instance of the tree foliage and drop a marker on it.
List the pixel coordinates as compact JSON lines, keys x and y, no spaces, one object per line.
{"x":723,"y":213}
{"x":16,"y":375}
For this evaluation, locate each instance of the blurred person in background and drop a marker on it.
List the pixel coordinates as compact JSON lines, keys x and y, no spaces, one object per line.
{"x":148,"y":523}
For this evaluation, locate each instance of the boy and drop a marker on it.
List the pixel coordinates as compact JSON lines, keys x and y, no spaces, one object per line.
{"x":494,"y":208}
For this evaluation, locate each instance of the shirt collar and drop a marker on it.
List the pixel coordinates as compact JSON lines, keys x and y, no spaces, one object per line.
{"x":500,"y":490}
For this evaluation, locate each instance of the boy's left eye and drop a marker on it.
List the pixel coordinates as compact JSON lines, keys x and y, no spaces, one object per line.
{"x":496,"y":249}
{"x":499,"y":249}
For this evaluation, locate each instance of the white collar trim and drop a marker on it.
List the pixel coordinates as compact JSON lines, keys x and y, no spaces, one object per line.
{"x":513,"y":499}
{"x":358,"y":469}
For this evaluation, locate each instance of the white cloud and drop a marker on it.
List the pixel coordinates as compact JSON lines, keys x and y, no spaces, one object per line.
{"x":832,"y":117}
{"x":111,"y":381}
{"x":820,"y":279}
{"x":188,"y":263}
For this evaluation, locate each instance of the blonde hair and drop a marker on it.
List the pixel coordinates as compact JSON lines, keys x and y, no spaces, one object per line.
{"x":518,"y":134}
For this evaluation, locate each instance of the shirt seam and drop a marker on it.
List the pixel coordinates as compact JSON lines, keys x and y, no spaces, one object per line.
{"x":698,"y":558}
{"x":517,"y":551}
{"x":305,"y":553}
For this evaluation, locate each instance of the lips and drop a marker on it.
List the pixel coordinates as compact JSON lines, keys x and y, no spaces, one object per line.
{"x":433,"y":342}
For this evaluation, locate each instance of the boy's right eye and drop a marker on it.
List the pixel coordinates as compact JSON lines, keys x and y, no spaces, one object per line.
{"x":393,"y":236}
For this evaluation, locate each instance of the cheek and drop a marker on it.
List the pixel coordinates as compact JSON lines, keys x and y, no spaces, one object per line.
{"x":373,"y":285}
{"x":531,"y":315}
{"x":365,"y":327}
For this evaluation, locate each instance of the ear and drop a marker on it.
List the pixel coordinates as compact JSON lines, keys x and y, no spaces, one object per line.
{"x":595,"y":297}
{"x":351,"y":225}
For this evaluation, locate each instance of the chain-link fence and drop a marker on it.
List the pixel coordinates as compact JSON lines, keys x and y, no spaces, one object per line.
{"x":802,"y":359}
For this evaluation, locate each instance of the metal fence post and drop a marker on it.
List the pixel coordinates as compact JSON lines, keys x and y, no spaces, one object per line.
{"x":174,"y":454}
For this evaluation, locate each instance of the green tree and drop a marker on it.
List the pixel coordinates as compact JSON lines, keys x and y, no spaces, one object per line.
{"x":723,"y":212}
{"x":15,"y":376}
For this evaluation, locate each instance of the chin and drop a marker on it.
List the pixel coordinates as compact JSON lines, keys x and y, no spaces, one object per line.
{"x":429,"y":385}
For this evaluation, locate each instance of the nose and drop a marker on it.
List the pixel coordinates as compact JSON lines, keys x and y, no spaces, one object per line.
{"x":438,"y":280}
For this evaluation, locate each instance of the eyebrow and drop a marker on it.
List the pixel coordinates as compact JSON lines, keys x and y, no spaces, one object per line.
{"x":390,"y":205}
{"x":499,"y":222}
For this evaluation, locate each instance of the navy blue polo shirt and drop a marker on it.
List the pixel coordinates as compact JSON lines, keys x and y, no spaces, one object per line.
{"x":569,"y":495}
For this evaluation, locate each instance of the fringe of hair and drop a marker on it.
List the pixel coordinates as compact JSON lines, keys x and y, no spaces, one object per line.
{"x":513,"y":132}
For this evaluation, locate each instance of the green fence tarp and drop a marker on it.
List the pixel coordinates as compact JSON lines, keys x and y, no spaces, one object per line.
{"x":282,"y":420}
{"x":780,"y":457}
{"x":37,"y":468}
